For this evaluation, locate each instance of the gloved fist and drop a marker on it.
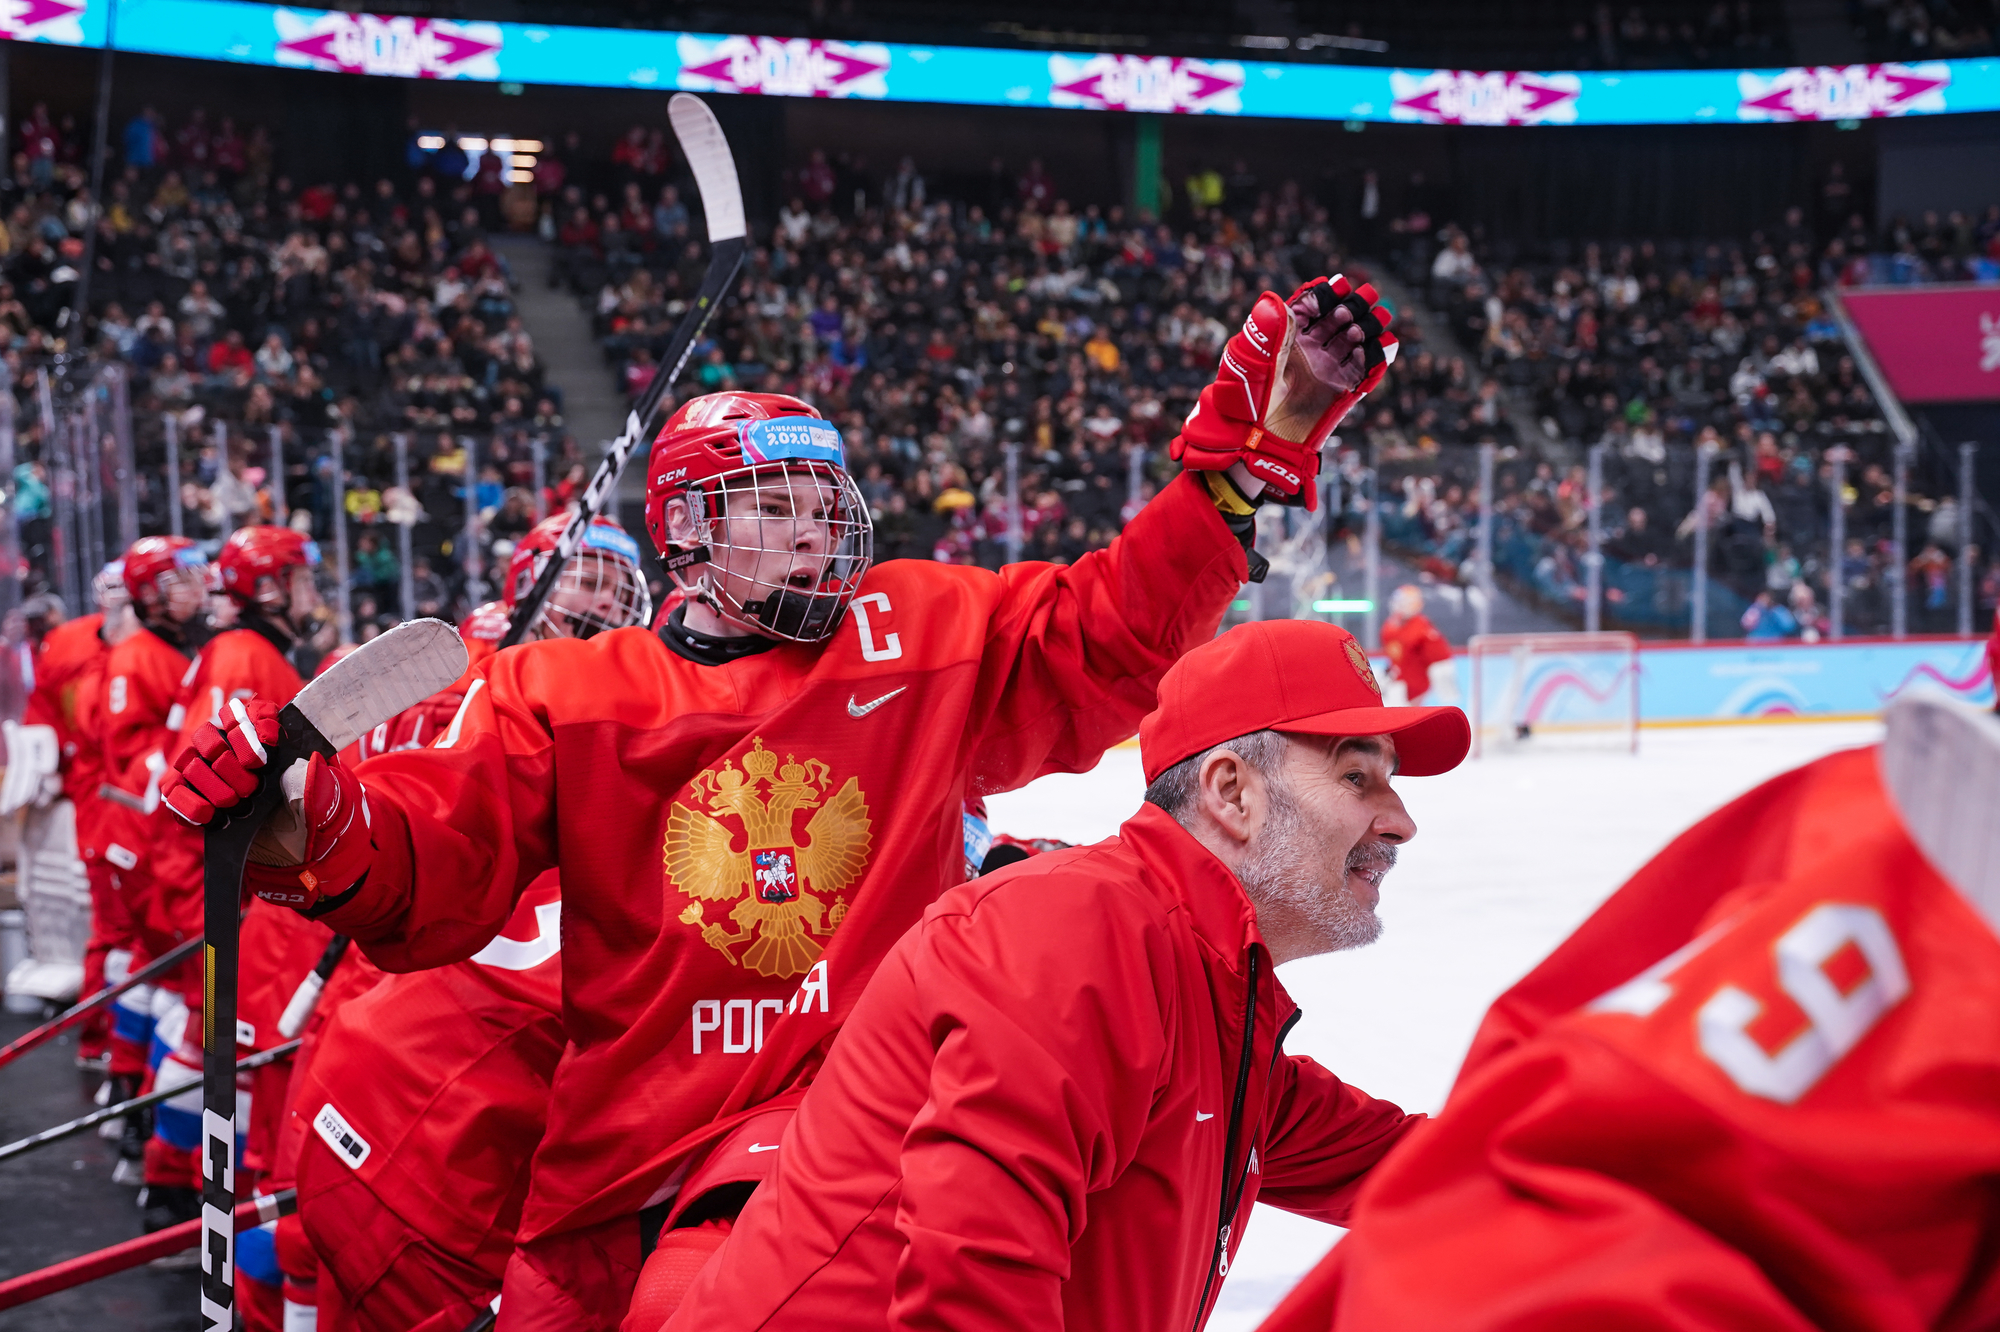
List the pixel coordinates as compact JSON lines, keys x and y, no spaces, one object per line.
{"x":1286,"y":380}
{"x":314,"y":845}
{"x":218,"y":769}
{"x":317,"y":843}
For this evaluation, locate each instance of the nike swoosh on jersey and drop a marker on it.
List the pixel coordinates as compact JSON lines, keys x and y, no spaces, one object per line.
{"x":863,"y":709}
{"x":760,"y":1147}
{"x":1199,"y":1117}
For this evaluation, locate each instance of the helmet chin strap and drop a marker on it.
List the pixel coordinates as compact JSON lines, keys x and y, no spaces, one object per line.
{"x":807,"y":615}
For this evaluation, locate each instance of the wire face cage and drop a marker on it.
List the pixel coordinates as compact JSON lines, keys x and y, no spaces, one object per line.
{"x":784,"y":546}
{"x":600,"y":588}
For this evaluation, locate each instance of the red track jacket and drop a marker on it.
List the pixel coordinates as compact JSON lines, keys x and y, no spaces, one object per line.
{"x":1753,"y":1093}
{"x":1044,"y":1113}
{"x":742,"y":843}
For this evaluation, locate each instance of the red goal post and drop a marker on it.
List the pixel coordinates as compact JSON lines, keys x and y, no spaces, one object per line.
{"x":1553,"y":691}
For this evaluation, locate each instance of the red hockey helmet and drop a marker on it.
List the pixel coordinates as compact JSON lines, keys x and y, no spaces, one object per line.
{"x":749,"y":501}
{"x":267,"y":551}
{"x":156,"y":557}
{"x":602,"y":587}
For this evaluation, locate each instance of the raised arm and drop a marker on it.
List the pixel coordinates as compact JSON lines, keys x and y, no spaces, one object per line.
{"x":1074,"y":655}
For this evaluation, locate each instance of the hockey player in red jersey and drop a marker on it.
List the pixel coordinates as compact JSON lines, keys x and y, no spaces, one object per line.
{"x":266,"y":575}
{"x":1752,"y":1093}
{"x":156,"y":864}
{"x":68,"y":698}
{"x":1413,"y":645}
{"x":448,"y":1070}
{"x":793,"y":750}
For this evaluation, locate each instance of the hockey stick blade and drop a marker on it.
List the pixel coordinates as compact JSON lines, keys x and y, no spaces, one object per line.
{"x":381,"y":678}
{"x":356,"y":694}
{"x":707,"y":154}
{"x":714,"y":167}
{"x":1941,"y":764}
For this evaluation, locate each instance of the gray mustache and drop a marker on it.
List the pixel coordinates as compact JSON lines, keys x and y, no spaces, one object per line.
{"x":1371,"y":855}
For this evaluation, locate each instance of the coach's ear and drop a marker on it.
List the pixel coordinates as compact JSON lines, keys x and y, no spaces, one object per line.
{"x":1230,"y":796}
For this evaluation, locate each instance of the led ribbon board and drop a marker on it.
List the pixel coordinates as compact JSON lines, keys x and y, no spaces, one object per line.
{"x":405,"y":47}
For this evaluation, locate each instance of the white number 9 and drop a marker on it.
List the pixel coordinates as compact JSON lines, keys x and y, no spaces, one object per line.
{"x":1837,"y":1020}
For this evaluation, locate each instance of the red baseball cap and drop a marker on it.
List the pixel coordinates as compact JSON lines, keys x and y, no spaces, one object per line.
{"x":1290,"y":675}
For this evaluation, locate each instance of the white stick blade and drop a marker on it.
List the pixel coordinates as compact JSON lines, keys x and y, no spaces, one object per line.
{"x":708,"y":156}
{"x":1941,"y":763}
{"x":382,"y":677}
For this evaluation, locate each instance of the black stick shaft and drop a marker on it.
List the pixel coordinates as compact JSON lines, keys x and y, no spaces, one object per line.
{"x":306,"y":998}
{"x":222,"y":888}
{"x":641,"y":424}
{"x":226,"y":850}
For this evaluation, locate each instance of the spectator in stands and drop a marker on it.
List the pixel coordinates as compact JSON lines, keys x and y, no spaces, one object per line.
{"x":1768,"y":619}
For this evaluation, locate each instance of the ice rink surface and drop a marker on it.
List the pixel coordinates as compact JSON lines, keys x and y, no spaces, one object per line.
{"x":1511,"y":854}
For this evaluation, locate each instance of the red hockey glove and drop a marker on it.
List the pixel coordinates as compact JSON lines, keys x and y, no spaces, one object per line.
{"x":218,"y":769}
{"x":1286,"y":380}
{"x":315,"y":845}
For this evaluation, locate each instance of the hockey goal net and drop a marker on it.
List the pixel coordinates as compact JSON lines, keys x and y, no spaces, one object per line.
{"x":1554,"y":691}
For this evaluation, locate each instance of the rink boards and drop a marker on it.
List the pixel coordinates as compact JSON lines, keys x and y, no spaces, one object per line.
{"x":1682,"y":685}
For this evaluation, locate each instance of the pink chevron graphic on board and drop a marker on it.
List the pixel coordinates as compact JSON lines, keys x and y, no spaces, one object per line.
{"x":1146,"y":83}
{"x":1969,"y":684}
{"x":1842,"y":92}
{"x":783,"y":66}
{"x":58,"y":21}
{"x":388,"y":44}
{"x":1484,"y":97}
{"x":1552,"y":684}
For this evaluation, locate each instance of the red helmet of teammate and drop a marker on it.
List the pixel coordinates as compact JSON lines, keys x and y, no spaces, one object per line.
{"x":255,"y":553}
{"x":602,"y":587}
{"x":166,"y":570}
{"x":749,"y":501}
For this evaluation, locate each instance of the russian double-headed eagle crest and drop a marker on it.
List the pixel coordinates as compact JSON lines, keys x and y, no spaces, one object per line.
{"x":747,"y":842}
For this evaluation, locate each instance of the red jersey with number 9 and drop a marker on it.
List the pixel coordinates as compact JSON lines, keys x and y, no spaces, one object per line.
{"x":1754,"y":1091}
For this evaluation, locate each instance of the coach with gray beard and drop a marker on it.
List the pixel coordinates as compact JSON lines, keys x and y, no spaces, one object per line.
{"x":1064,"y":1088}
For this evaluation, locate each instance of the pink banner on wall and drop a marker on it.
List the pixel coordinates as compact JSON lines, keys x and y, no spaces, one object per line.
{"x":1936,"y":344}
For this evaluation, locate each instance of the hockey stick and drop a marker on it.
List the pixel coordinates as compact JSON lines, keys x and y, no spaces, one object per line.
{"x":707,"y":154}
{"x":356,"y":694}
{"x":166,"y":961}
{"x":71,"y":1272}
{"x":96,"y":1117}
{"x":306,"y":998}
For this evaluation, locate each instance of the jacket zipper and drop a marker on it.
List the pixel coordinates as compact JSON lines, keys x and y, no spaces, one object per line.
{"x":1229,"y":1142}
{"x":1231,"y":1204}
